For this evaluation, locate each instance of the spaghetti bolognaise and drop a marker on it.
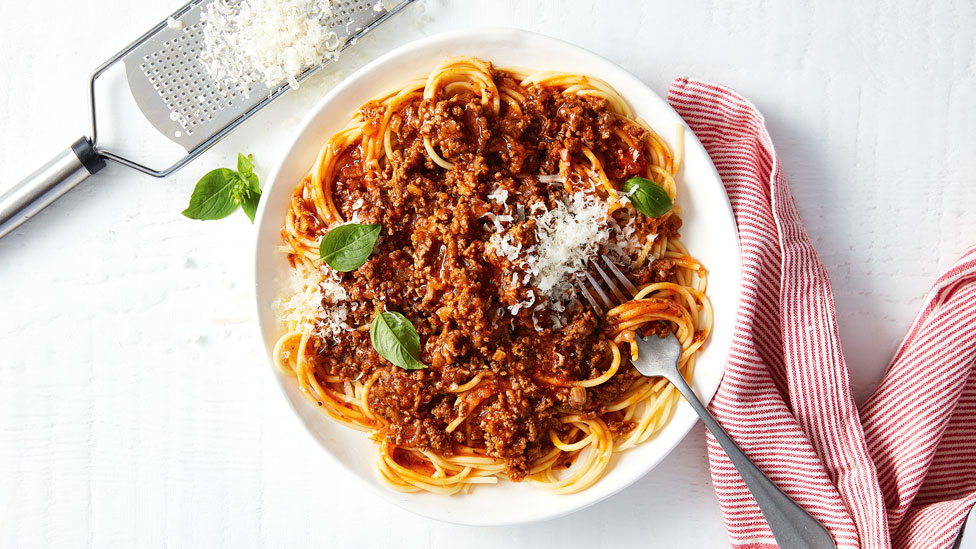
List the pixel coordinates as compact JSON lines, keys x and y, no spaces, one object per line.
{"x":476,"y":196}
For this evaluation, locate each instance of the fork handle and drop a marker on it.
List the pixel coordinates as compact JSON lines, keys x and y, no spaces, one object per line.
{"x":790,"y":524}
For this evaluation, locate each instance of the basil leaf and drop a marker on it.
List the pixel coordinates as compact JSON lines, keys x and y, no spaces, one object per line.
{"x":648,"y":197}
{"x":213,"y":196}
{"x":395,"y":339}
{"x":221,"y":191}
{"x":346,"y":247}
{"x":245,"y":164}
{"x":252,"y":194}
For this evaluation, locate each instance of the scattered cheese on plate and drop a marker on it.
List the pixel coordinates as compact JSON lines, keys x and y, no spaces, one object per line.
{"x":301,"y":305}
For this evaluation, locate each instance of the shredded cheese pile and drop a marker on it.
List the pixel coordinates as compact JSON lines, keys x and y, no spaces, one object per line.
{"x":566,"y":236}
{"x":301,"y":303}
{"x":266,"y":41}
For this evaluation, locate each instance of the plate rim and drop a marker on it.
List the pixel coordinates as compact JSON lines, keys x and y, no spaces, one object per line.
{"x":448,"y":37}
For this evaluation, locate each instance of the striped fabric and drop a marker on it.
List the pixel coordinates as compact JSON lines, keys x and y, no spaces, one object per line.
{"x":899,"y":472}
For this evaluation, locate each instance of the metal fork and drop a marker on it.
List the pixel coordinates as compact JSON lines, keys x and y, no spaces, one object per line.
{"x":658,"y":357}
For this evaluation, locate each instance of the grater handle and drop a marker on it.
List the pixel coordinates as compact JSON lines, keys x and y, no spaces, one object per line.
{"x":48,"y":183}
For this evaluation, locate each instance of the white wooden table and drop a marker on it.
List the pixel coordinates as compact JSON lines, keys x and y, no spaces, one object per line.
{"x":136,"y":408}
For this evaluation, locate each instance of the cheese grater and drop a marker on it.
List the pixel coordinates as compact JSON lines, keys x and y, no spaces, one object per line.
{"x":177,"y":96}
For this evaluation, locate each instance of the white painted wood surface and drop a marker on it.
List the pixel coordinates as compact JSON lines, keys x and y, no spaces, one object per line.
{"x":136,"y":409}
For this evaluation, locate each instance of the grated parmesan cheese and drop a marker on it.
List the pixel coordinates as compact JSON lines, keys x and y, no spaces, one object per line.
{"x":549,"y":179}
{"x":567,"y":235}
{"x":314,"y":300}
{"x":503,"y":245}
{"x":266,"y":41}
{"x":623,"y":245}
{"x":498,"y":196}
{"x":178,"y":117}
{"x":498,"y":221}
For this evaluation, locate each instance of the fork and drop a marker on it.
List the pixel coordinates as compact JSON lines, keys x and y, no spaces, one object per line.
{"x":658,"y":357}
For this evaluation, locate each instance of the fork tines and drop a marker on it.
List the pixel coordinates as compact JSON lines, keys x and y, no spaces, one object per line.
{"x":619,"y":295}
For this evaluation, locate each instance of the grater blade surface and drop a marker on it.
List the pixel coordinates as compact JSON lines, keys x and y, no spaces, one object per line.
{"x":176,"y":95}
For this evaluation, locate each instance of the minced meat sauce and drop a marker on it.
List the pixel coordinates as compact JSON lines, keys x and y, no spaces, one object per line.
{"x":432,"y":263}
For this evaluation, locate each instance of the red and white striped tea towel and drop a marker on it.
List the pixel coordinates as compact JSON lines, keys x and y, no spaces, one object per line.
{"x":899,"y":472}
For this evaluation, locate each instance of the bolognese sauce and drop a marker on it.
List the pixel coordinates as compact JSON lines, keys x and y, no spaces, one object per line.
{"x":476,"y":184}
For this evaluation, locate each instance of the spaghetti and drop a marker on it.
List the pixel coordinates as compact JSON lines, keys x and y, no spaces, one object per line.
{"x":493,"y":189}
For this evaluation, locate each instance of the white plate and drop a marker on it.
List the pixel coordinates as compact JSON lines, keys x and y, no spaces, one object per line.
{"x":709,"y":232}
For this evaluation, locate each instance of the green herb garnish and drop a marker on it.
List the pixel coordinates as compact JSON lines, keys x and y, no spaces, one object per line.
{"x":648,"y":197}
{"x":221,"y":191}
{"x":395,"y":339}
{"x":346,"y":247}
